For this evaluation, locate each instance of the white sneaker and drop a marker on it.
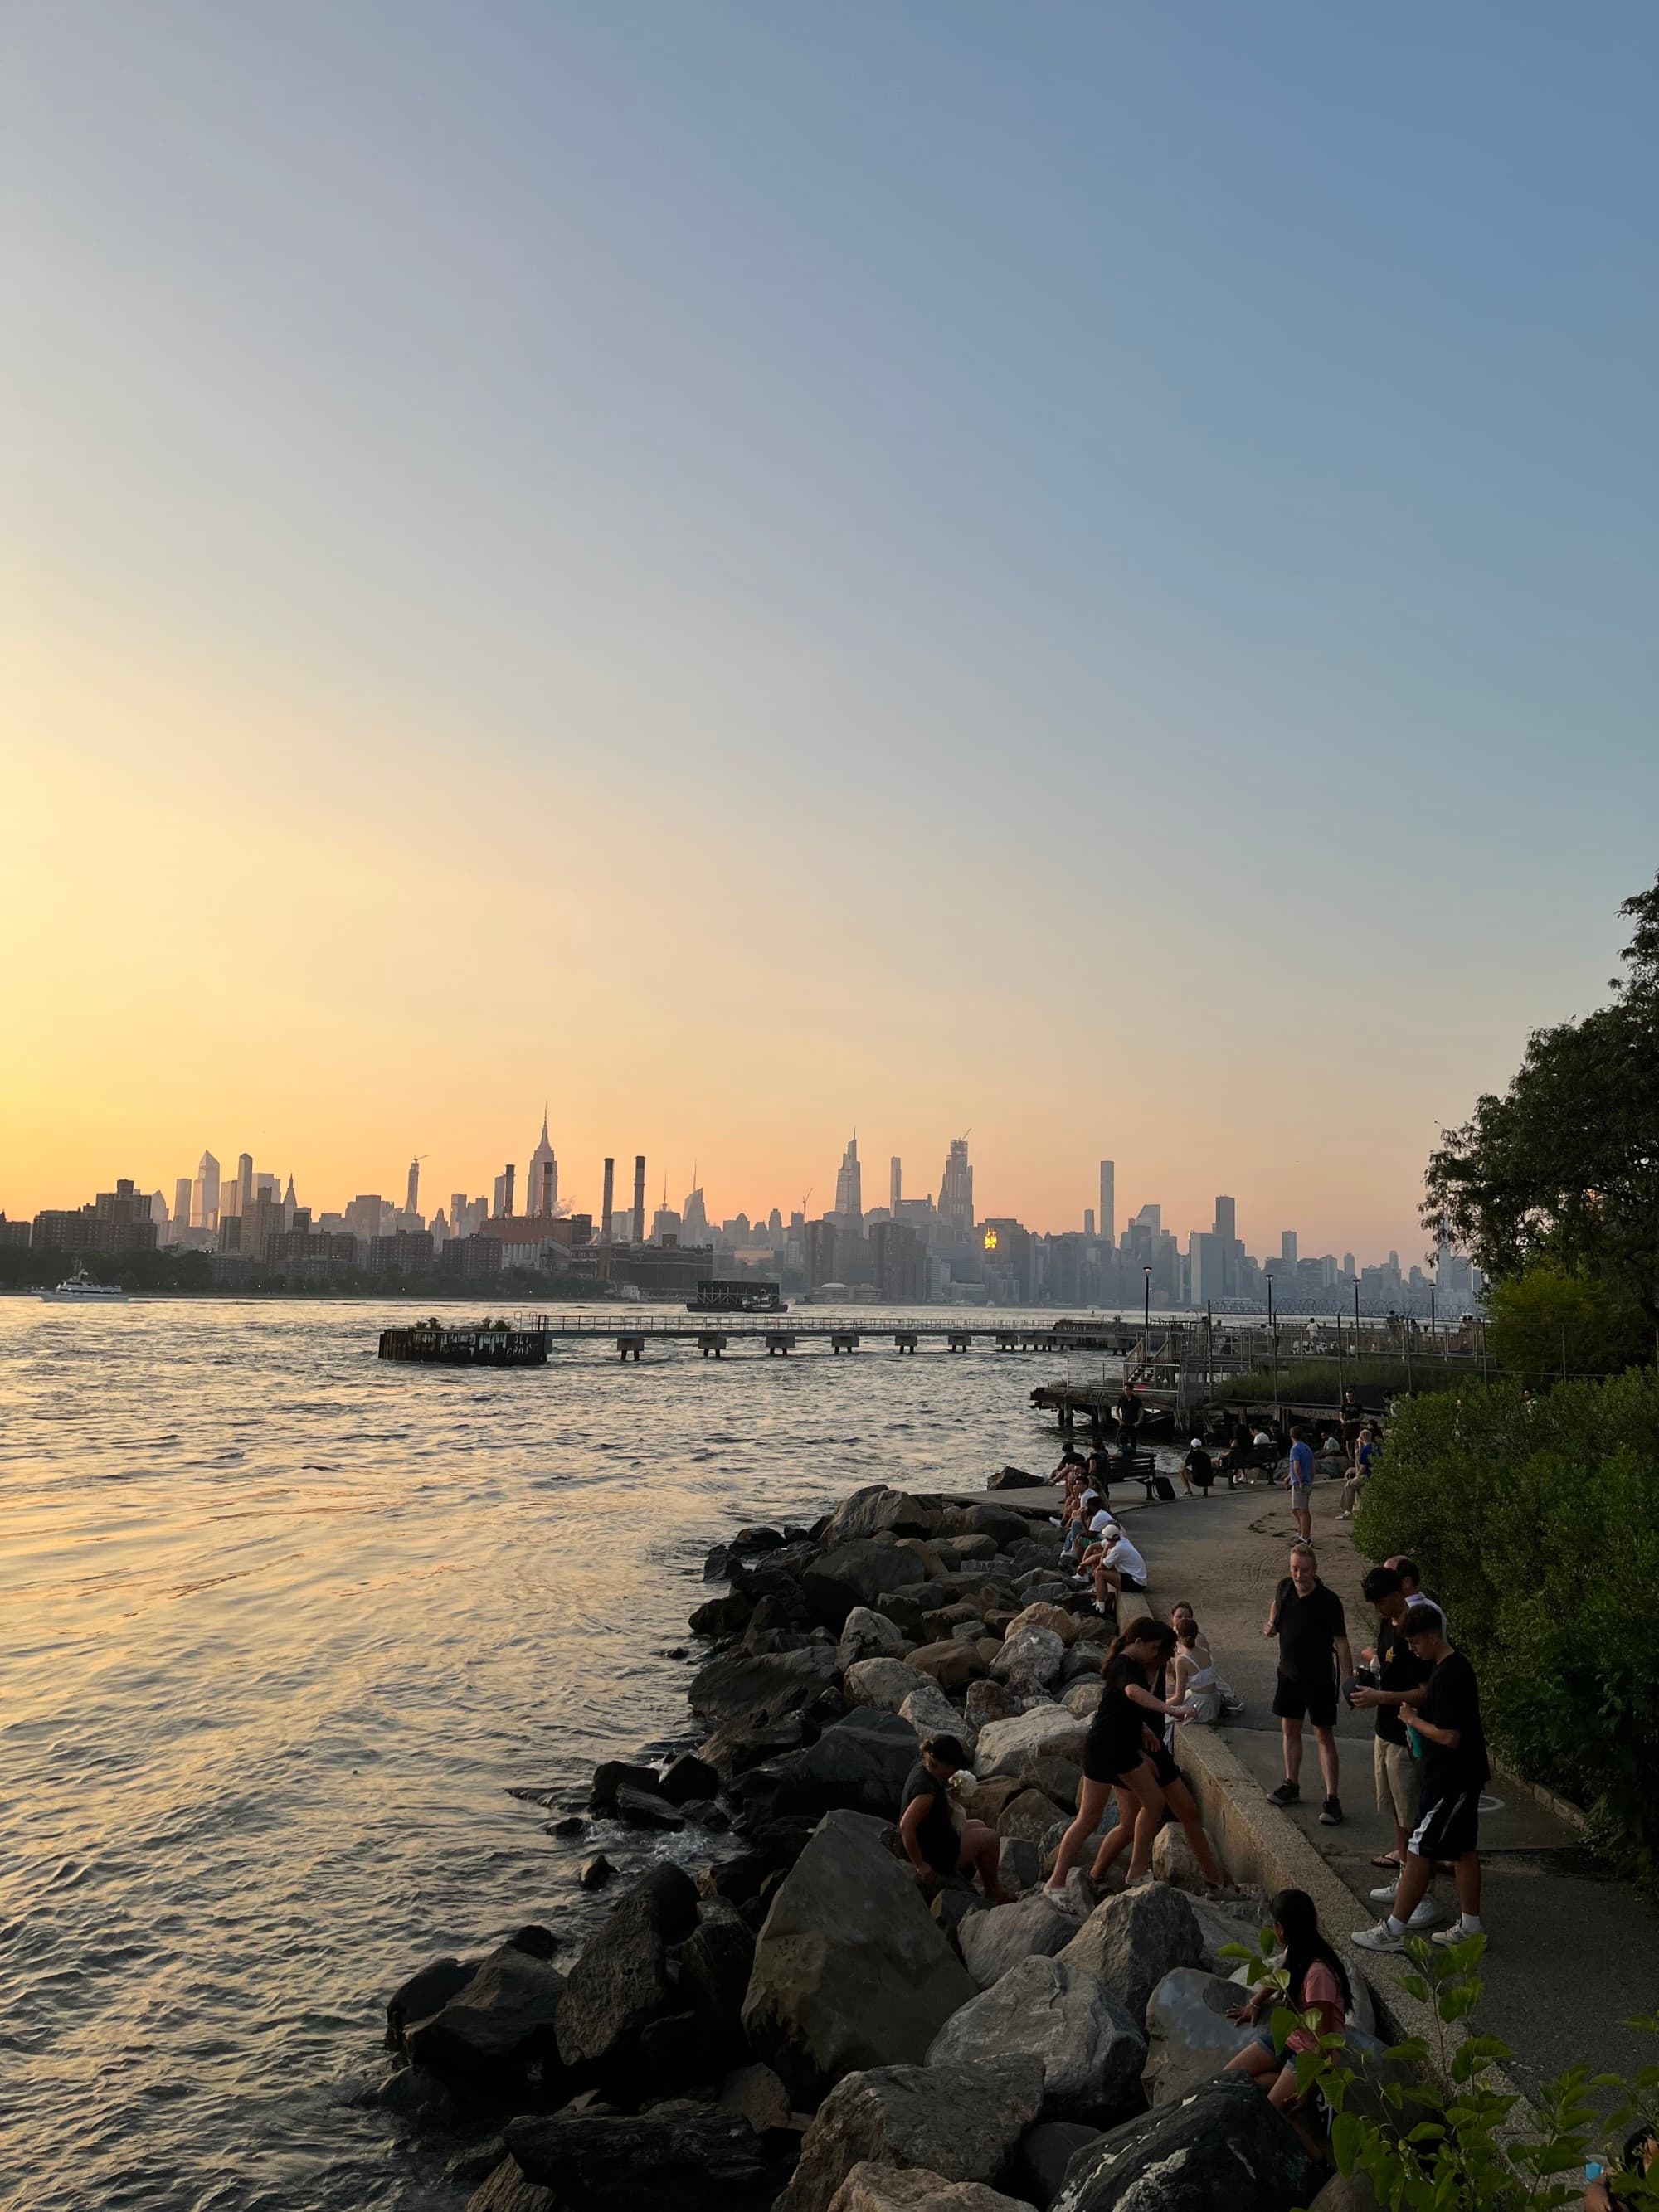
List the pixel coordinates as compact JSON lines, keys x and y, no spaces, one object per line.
{"x":1425,"y":1916}
{"x":1380,"y":1938}
{"x":1385,"y":1895}
{"x":1454,"y":1934}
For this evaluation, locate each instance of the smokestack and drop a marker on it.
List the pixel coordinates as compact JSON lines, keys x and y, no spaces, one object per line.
{"x":506,"y":1190}
{"x":639,"y":1198}
{"x":609,"y":1198}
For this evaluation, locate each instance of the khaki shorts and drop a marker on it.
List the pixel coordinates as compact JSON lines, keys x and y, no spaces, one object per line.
{"x":1397,"y":1786}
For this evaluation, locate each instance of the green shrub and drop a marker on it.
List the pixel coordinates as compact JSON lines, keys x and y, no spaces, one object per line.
{"x":1537,"y":1525}
{"x":1546,"y":1323}
{"x":1321,"y":1382}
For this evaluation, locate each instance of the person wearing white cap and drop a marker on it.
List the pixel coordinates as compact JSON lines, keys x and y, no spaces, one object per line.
{"x":1198,"y":1468}
{"x":1114,"y":1562}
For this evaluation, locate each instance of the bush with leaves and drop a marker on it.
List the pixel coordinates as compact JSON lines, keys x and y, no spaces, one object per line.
{"x":1433,"y":2134}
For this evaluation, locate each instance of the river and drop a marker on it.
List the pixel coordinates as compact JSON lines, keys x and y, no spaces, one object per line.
{"x":281,"y":1628}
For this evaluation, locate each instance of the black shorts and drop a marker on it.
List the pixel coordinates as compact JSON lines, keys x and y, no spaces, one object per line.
{"x":1130,"y":1587}
{"x":1295,"y":1700}
{"x":1107,"y":1762}
{"x":1447,"y":1826}
{"x":1163,"y":1765}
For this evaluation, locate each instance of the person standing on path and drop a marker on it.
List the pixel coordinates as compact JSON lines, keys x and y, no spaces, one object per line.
{"x":1400,"y":1675}
{"x":1314,"y":1656}
{"x":1445,"y":1714}
{"x":1299,"y":1481}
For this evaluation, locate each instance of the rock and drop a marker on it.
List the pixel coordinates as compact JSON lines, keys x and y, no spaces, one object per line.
{"x":867,"y":1635}
{"x":749,"y":1741}
{"x":1081,"y":1664}
{"x":1347,"y":2192}
{"x":1222,"y":2150}
{"x":930,"y":1712}
{"x":1175,"y":1861}
{"x":859,"y":1765}
{"x":621,"y":1979}
{"x":1005,"y":1745}
{"x":873,"y":2188}
{"x":1034,"y":1816}
{"x":850,"y":1970}
{"x":1045,"y":2152}
{"x":688,"y":1778}
{"x":996,"y":1942}
{"x":715,"y":1961}
{"x":644,"y":1809}
{"x":491,"y":2031}
{"x":989,"y":1701}
{"x":1019,"y":1864}
{"x":987,"y":1800}
{"x":721,"y":1616}
{"x":883,"y":1684}
{"x":963,"y":2122}
{"x":611,"y":1777}
{"x":1135,"y":1939}
{"x":1188,"y":2035}
{"x":572,"y":1825}
{"x":505,"y":2189}
{"x":756,"y":2093}
{"x":1040,"y":1615}
{"x":951,"y":1904}
{"x":1059,"y":1778}
{"x":1029,"y":1661}
{"x":594,"y":1873}
{"x":758,"y":1540}
{"x":1091,"y":2051}
{"x":856,"y":1573}
{"x":1001,"y":1523}
{"x":1220,"y":1924}
{"x":707,"y":1815}
{"x":1016,"y":1478}
{"x":677,"y":2157}
{"x":423,"y":1994}
{"x":951,"y":1664}
{"x":961,"y":1550}
{"x":737,"y":1686}
{"x":875,"y":1510}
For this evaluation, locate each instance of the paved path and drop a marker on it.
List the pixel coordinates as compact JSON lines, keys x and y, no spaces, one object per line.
{"x":1572,"y":1952}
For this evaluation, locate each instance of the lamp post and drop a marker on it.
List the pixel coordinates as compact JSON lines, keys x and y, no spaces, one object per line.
{"x":1434,"y":1341}
{"x":1272,"y":1342}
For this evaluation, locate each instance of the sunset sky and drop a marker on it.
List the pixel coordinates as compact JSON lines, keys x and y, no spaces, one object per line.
{"x":1081,"y":572}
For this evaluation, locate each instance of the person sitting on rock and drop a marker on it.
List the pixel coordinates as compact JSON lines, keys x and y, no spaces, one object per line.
{"x":1113,"y":1564}
{"x":1316,"y":1981}
{"x":939,"y":1839}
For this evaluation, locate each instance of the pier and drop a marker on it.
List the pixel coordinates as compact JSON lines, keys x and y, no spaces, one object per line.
{"x":778,"y":1339}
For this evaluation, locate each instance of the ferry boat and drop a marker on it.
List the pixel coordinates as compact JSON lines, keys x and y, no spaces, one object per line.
{"x":80,"y":1290}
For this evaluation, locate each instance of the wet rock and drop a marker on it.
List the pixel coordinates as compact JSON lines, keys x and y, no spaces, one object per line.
{"x":963,"y":2122}
{"x":873,"y":2188}
{"x":423,"y":1994}
{"x":1045,"y":2152}
{"x":644,"y":1809}
{"x":688,"y":1777}
{"x":1004,"y":1746}
{"x":883,"y":1684}
{"x":1188,"y":2035}
{"x":572,"y":1825}
{"x":1222,"y":2150}
{"x":677,"y":2157}
{"x":1091,"y":2052}
{"x":596,"y":1872}
{"x":489,"y":2035}
{"x":757,"y":1539}
{"x":706,"y":1813}
{"x":1135,"y":1939}
{"x":739,"y":1685}
{"x":505,"y":2189}
{"x":860,"y":1765}
{"x":875,"y":1510}
{"x":998,"y":1940}
{"x":621,"y":1979}
{"x":867,"y":1635}
{"x":850,"y":1971}
{"x":855,"y":1573}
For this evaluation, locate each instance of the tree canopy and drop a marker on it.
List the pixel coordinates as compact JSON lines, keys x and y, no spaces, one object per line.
{"x":1564,"y":1169}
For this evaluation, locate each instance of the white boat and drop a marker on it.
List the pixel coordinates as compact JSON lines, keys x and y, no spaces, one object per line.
{"x":80,"y":1290}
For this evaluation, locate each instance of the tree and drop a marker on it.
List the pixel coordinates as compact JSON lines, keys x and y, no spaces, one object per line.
{"x":1546,"y":1323}
{"x":1564,"y":1169}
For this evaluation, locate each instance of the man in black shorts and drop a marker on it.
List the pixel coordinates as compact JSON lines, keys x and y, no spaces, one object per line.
{"x":1314,"y":1656}
{"x":927,"y":1827}
{"x":1445,"y":1713}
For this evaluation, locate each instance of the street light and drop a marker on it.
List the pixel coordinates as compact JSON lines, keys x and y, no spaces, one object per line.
{"x":1273,"y":1341}
{"x":1147,"y":1322}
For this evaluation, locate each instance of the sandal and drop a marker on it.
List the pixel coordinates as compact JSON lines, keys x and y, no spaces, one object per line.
{"x":1389,"y":1861}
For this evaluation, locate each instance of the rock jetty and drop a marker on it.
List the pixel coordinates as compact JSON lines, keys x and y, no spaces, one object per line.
{"x":797,"y":2024}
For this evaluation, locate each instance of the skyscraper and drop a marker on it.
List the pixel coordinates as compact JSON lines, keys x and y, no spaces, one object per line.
{"x":956,"y":1192}
{"x":412,"y":1197}
{"x":245,"y":1182}
{"x":849,"y":1184}
{"x":1226,"y":1218}
{"x":639,"y":1198}
{"x":181,"y":1191}
{"x":1107,"y":1215}
{"x":541,"y":1192}
{"x":205,"y":1199}
{"x":1287,"y":1245}
{"x":894,"y":1185}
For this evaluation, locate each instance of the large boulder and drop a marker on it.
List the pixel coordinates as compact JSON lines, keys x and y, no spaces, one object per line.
{"x":1083,"y":1696}
{"x":993,"y":1942}
{"x":498,"y":2025}
{"x":963,"y":2122}
{"x":1055,"y":1616}
{"x":1032,"y":1814}
{"x":866,"y":1635}
{"x":714,"y":1963}
{"x":740,"y":1684}
{"x":873,"y":2188}
{"x":1029,"y":1660}
{"x":1135,"y":1939}
{"x":1045,"y":2152}
{"x":504,"y":2189}
{"x":850,"y":1969}
{"x":423,"y":1994}
{"x":1003,"y":1524}
{"x":1061,"y":1779}
{"x":948,"y":1660}
{"x":989,"y":1701}
{"x":1005,"y":1745}
{"x":1190,"y":2037}
{"x":1223,"y":2149}
{"x":1175,"y":1861}
{"x":677,"y":2157}
{"x":1091,"y":2051}
{"x":857,"y":1573}
{"x":860,"y":1765}
{"x":883,"y":1684}
{"x":622,"y":1980}
{"x":877,"y":1510}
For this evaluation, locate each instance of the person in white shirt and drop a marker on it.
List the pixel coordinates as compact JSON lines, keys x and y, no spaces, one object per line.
{"x":1114,"y":1562}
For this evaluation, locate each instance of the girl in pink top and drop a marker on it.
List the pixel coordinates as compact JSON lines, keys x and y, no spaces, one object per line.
{"x":1317,"y":1981}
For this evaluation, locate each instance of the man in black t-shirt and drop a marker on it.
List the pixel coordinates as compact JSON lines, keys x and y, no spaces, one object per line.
{"x":1398,"y":1676}
{"x":1314,"y":1656}
{"x":1443,"y":1713}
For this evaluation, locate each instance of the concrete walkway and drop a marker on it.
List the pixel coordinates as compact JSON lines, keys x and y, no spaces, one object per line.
{"x":1572,"y":1952}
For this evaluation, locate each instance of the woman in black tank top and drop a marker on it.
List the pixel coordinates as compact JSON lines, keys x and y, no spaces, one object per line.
{"x":1114,"y":1756}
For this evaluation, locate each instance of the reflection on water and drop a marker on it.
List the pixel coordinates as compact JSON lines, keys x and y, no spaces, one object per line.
{"x":280,"y":1626}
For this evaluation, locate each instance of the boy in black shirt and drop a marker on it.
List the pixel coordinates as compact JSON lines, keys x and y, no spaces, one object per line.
{"x":1308,"y":1620}
{"x":1445,"y":1713}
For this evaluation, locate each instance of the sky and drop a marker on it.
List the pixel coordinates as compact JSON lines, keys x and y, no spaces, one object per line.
{"x":1081,"y":573}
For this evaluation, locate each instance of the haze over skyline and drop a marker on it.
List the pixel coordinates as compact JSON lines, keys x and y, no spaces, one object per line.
{"x":1084,"y":574}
